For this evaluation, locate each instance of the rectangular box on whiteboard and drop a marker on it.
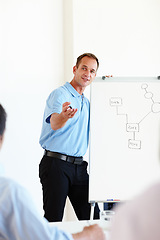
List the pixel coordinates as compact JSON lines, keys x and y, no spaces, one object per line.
{"x":124,"y":137}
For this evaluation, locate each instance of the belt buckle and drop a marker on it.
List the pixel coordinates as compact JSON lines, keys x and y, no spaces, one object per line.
{"x":69,"y":159}
{"x":74,"y":160}
{"x":77,"y":161}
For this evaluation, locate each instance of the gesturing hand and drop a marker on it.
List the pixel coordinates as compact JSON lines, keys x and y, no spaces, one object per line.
{"x":68,"y":111}
{"x":58,"y":120}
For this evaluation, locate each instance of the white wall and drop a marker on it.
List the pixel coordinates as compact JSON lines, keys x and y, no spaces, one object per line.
{"x":31,"y":65}
{"x":124,"y":35}
{"x":40,"y":40}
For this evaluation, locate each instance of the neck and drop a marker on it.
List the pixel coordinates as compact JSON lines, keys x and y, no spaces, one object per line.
{"x":77,"y":87}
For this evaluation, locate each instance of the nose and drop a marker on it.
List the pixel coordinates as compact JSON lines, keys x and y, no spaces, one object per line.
{"x":87,"y":73}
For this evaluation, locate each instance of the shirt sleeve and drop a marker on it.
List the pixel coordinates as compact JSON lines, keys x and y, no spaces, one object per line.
{"x":54,"y":103}
{"x":23,"y":220}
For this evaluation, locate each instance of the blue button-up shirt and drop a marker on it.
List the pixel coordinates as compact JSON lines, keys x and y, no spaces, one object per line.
{"x":19,"y":218}
{"x":73,"y":138}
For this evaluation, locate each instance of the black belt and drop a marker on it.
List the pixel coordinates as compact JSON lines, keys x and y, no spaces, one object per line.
{"x":70,"y":159}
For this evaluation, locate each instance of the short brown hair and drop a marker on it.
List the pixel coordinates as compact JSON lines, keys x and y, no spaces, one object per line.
{"x":90,"y":55}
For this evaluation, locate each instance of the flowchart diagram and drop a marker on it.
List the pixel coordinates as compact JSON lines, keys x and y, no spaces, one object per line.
{"x":134,"y":128}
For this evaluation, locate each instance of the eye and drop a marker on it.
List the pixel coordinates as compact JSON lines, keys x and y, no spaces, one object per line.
{"x":84,"y":68}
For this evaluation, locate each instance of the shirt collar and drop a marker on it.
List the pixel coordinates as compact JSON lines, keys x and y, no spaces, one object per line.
{"x":73,"y":91}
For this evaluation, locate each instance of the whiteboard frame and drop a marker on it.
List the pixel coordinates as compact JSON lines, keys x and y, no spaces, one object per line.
{"x":118,"y":80}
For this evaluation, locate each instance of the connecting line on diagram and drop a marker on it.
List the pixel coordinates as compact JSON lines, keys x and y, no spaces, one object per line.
{"x":134,"y":127}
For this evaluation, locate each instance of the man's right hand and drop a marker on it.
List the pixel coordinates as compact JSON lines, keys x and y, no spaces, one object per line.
{"x":59,"y":120}
{"x":67,"y":111}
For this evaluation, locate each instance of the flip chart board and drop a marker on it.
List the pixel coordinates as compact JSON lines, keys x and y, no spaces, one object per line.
{"x":124,"y":138}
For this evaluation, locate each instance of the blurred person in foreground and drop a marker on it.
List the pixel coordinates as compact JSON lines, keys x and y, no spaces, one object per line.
{"x":138,"y":219}
{"x":19,"y":218}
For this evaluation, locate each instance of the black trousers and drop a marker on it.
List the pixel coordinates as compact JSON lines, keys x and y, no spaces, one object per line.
{"x":60,"y":179}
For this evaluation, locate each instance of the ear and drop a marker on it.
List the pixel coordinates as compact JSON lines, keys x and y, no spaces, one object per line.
{"x":74,"y":69}
{"x":1,"y":140}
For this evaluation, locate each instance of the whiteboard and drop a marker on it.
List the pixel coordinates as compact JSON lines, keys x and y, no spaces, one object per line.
{"x":124,"y":152}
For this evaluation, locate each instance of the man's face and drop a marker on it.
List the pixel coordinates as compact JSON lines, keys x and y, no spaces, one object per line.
{"x":86,"y":72}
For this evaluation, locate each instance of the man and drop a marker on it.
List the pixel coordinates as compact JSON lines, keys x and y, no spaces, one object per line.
{"x":65,"y":136}
{"x":19,"y":218}
{"x":138,"y":219}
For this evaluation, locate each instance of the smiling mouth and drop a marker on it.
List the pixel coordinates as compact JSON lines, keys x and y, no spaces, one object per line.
{"x":85,"y":79}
